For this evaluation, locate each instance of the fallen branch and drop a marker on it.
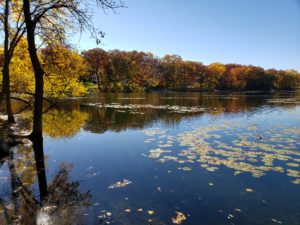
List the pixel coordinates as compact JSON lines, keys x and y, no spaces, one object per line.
{"x":46,"y":99}
{"x":21,"y":100}
{"x":22,"y":110}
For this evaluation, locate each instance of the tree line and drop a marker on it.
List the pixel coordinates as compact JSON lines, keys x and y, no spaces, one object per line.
{"x":67,"y":71}
{"x":139,"y":71}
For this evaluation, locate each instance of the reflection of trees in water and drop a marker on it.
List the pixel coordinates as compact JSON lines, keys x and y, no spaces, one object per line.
{"x":59,"y":123}
{"x":104,"y":119}
{"x":72,"y":115}
{"x":64,"y":203}
{"x":60,"y":201}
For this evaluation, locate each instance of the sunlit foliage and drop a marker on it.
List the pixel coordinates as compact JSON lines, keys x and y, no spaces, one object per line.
{"x":63,"y":68}
{"x":21,"y":70}
{"x":139,"y":71}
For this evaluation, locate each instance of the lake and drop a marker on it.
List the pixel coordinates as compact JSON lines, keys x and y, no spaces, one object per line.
{"x":159,"y":158}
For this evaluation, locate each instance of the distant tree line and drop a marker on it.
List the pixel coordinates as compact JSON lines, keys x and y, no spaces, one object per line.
{"x":139,"y":71}
{"x":67,"y":70}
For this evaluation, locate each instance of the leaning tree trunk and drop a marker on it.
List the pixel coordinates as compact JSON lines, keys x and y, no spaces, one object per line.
{"x":37,"y":131}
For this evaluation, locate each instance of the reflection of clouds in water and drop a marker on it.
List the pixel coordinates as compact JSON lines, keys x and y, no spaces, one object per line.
{"x":245,"y":150}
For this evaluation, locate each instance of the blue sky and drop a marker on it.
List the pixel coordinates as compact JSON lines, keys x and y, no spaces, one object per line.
{"x":258,"y":32}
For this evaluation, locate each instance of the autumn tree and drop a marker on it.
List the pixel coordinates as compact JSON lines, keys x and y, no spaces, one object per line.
{"x":235,"y":79}
{"x":51,"y":20}
{"x":14,"y":28}
{"x":254,"y":78}
{"x":140,"y":71}
{"x":63,"y":68}
{"x":22,"y":78}
{"x":210,"y":79}
{"x":170,"y":65}
{"x":287,"y":80}
{"x":190,"y":73}
{"x":97,"y":61}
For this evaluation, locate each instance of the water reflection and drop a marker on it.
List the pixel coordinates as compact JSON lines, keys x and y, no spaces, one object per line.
{"x":72,"y":115}
{"x":59,"y":202}
{"x":195,"y":163}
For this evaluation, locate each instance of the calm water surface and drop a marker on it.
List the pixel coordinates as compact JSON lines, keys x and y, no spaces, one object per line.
{"x":174,"y":158}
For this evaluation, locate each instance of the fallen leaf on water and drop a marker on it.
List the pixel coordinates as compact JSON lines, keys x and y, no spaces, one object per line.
{"x":297,"y":181}
{"x":150,"y":212}
{"x":179,"y":218}
{"x":186,"y":168}
{"x":292,"y":164}
{"x":276,"y":221}
{"x":230,"y":216}
{"x":120,"y":184}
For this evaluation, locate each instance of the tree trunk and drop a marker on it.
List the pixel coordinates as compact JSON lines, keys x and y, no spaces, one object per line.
{"x":37,"y":131}
{"x":98,"y":81}
{"x":2,"y":94}
{"x":6,"y":88}
{"x":6,"y":76}
{"x":38,"y":148}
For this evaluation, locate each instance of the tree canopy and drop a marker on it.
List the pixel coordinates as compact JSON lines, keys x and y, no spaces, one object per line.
{"x":134,"y":71}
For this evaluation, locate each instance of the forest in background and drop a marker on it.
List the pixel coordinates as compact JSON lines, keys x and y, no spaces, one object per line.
{"x":139,"y":71}
{"x":68,"y":72}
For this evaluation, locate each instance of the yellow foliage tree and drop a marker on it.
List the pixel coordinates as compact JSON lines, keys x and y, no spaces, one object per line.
{"x":63,"y":68}
{"x":22,"y":78}
{"x":213,"y":74}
